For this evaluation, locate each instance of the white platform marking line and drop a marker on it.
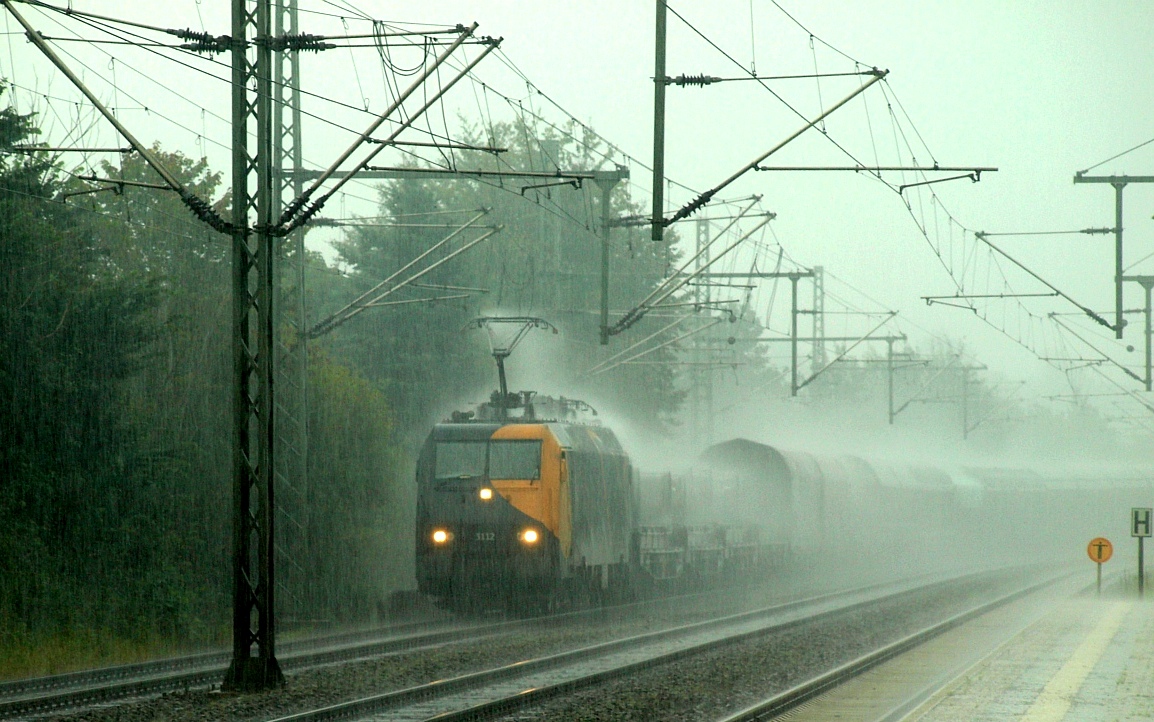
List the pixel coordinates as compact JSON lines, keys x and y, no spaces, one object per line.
{"x":1058,"y":695}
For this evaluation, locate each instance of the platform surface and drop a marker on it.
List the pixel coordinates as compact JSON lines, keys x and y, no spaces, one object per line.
{"x":1057,"y":655}
{"x":1089,"y":660}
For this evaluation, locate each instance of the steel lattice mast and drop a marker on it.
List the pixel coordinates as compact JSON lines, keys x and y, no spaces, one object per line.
{"x":254,"y":664}
{"x":291,"y":349}
{"x":258,"y":223}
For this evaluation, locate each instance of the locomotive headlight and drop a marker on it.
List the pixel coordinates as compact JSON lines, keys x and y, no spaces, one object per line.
{"x":485,"y":493}
{"x":529,"y":536}
{"x":440,"y":536}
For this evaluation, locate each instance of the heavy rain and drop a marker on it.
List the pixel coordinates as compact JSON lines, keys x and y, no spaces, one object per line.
{"x":324,"y":323}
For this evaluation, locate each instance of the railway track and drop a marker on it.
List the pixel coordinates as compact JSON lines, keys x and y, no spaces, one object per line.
{"x":76,"y":690}
{"x":556,"y":670}
{"x":192,"y":662}
{"x":73,"y":692}
{"x":501,"y":690}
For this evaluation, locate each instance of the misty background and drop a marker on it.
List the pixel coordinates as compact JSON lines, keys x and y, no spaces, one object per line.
{"x":116,"y":332}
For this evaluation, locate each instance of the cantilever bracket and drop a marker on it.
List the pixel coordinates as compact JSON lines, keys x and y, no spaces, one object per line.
{"x":975,"y":177}
{"x":931,"y":301}
{"x":576,"y":183}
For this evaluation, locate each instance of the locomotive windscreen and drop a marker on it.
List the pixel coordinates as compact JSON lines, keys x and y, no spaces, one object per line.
{"x":460,"y":458}
{"x":508,"y":459}
{"x":515,"y":459}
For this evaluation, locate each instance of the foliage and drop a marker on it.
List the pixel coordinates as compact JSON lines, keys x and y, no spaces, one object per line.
{"x":359,"y":527}
{"x":116,"y":427}
{"x":71,"y":335}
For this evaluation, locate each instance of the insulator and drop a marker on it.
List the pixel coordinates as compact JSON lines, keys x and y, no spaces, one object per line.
{"x":698,"y":80}
{"x":203,"y":42}
{"x":205,"y":212}
{"x":301,"y":42}
{"x":191,"y":34}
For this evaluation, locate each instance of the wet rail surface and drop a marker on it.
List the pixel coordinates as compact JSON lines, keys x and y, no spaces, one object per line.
{"x":76,"y":691}
{"x":204,"y":660}
{"x":73,"y":690}
{"x":330,"y":677}
{"x":501,"y":690}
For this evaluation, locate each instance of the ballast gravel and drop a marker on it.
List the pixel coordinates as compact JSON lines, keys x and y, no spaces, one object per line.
{"x":717,"y":684}
{"x":698,"y":688}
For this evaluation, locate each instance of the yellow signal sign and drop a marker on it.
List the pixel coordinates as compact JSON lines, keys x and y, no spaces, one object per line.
{"x":1100,"y":550}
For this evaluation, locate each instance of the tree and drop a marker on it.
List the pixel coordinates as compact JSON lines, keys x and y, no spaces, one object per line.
{"x":71,"y":334}
{"x":546,"y":261}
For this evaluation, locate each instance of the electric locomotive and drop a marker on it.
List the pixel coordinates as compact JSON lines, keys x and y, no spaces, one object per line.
{"x":522,"y":505}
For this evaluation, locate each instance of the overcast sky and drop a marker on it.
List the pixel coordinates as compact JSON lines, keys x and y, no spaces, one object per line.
{"x":1038,"y":89}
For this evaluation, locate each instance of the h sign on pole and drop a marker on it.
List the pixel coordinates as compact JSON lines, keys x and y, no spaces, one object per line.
{"x":1140,"y":522}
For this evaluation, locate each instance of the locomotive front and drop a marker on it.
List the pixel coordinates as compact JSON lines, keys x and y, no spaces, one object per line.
{"x":489,"y":532}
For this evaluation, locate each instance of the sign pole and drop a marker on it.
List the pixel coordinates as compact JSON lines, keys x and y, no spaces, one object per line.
{"x":1099,"y":550}
{"x":1141,"y":570}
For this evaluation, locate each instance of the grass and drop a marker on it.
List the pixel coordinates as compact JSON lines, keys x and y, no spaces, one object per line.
{"x":38,"y":655}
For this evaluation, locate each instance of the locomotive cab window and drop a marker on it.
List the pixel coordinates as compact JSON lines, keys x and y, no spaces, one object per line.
{"x":456,"y":459}
{"x":515,"y":459}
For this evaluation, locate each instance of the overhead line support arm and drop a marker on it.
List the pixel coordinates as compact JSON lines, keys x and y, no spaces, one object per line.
{"x":844,"y":353}
{"x":672,"y":279}
{"x":876,"y":168}
{"x":931,"y":300}
{"x":364,"y":136}
{"x":1119,"y":182}
{"x":671,"y":285}
{"x":917,"y":394}
{"x":290,"y":223}
{"x":359,"y":303}
{"x":975,"y":177}
{"x":1105,"y":356}
{"x":1089,"y":312}
{"x":702,"y":80}
{"x":197,"y":205}
{"x":659,"y":346}
{"x":694,"y":205}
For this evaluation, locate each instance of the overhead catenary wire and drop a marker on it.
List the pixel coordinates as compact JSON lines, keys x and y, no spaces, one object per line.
{"x":956,"y":274}
{"x":670,"y":283}
{"x":1088,"y":311}
{"x":1104,"y":355}
{"x":198,"y":205}
{"x":771,"y":91}
{"x":974,"y":255}
{"x":658,"y":347}
{"x":676,"y":322}
{"x":291,"y":220}
{"x":1115,"y":157}
{"x":315,"y":116}
{"x":705,"y":197}
{"x":810,"y":33}
{"x":368,"y":299}
{"x":72,"y":102}
{"x":665,"y":291}
{"x":202,"y":134}
{"x":150,"y":78}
